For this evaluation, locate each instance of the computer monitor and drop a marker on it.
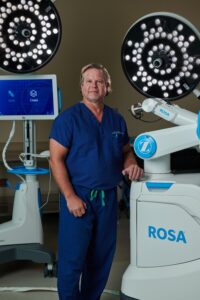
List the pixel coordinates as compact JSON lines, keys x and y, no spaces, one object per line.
{"x":28,"y":97}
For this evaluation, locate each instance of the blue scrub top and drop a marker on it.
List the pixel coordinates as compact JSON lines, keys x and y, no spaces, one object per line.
{"x":95,"y":158}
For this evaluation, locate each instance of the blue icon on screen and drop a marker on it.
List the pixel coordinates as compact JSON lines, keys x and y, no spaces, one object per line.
{"x":33,"y":93}
{"x":11,"y":94}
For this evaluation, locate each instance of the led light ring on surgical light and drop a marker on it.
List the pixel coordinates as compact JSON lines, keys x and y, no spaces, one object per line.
{"x":160,"y":56}
{"x":30,"y":34}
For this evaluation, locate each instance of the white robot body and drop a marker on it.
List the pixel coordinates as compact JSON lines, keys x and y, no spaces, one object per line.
{"x":26,"y":214}
{"x":164,"y":217}
{"x":21,"y":238}
{"x":165,"y":239}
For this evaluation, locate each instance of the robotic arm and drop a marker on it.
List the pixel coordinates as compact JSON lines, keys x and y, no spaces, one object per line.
{"x":168,"y":112}
{"x":162,"y":142}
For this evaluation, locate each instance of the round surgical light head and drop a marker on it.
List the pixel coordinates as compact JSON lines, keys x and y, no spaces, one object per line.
{"x":21,"y":31}
{"x":170,"y":54}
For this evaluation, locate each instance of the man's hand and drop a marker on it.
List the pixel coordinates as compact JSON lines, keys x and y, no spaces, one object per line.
{"x":133,"y":172}
{"x":76,"y":206}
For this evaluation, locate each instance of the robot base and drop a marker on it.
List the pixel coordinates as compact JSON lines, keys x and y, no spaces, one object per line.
{"x":34,"y":252}
{"x":31,"y":252}
{"x":22,"y":237}
{"x":178,"y":282}
{"x":124,"y":297}
{"x":164,"y":266}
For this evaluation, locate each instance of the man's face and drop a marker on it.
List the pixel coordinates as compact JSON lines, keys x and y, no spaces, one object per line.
{"x":93,"y":87}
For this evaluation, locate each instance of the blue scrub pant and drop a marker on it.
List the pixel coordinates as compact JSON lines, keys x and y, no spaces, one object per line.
{"x":86,"y":246}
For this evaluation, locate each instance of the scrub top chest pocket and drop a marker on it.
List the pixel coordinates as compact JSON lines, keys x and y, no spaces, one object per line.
{"x":117,"y":142}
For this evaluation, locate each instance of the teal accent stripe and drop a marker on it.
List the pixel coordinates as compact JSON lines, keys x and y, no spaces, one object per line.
{"x":159,"y":185}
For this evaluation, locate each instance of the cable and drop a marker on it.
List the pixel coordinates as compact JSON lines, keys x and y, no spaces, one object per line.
{"x":12,"y":132}
{"x":50,"y":289}
{"x":49,"y":187}
{"x":27,"y":289}
{"x":139,"y":117}
{"x":153,"y":121}
{"x":44,"y":154}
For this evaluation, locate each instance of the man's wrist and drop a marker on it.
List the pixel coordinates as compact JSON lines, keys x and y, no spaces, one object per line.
{"x":69,"y":196}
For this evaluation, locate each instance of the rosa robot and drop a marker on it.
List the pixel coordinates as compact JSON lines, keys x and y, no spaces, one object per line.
{"x":161,"y":58}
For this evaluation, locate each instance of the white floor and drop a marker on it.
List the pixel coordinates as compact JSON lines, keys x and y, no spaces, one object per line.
{"x":28,"y":274}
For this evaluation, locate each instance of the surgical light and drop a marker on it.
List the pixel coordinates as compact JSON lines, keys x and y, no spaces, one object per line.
{"x":169,"y":54}
{"x":21,"y":31}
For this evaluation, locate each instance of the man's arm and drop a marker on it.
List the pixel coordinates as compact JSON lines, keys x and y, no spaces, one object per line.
{"x":131,"y":168}
{"x":58,"y":155}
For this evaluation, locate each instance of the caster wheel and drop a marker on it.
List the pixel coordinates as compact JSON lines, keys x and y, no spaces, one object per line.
{"x":50,"y":270}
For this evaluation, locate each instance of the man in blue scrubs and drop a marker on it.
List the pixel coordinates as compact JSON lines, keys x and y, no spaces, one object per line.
{"x":89,"y":151}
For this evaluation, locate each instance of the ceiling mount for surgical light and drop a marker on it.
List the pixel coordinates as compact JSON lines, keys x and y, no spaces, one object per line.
{"x":30,"y":34}
{"x":161,"y":56}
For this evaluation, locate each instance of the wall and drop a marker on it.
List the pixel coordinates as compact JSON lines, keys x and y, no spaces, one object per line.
{"x":93,"y":31}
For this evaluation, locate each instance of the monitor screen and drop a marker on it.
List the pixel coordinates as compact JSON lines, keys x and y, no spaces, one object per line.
{"x":28,"y":97}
